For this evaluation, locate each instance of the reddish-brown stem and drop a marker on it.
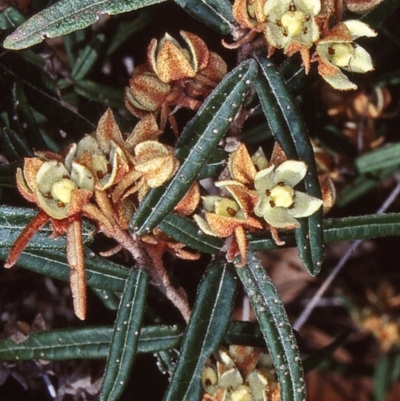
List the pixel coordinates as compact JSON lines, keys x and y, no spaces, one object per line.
{"x":76,"y":261}
{"x":26,"y":235}
{"x":161,"y":280}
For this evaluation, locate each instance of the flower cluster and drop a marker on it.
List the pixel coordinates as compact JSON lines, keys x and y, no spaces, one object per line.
{"x":105,"y":175}
{"x":93,"y":178}
{"x":380,"y":317}
{"x":240,"y":373}
{"x":297,"y":25}
{"x":173,"y":76}
{"x":259,"y":195}
{"x":356,"y":113}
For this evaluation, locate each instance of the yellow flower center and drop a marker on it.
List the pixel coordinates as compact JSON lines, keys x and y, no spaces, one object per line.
{"x":227,"y":208}
{"x":341,"y":54}
{"x":282,"y":196}
{"x":62,"y":190}
{"x":292,"y":22}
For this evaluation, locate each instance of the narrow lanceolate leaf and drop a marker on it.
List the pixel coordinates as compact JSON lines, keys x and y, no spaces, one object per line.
{"x":14,"y":147}
{"x":200,"y":136}
{"x":288,"y":128}
{"x":10,"y":18}
{"x":110,"y":299}
{"x":14,"y":219}
{"x":215,"y":13}
{"x":85,"y":343}
{"x":100,"y":273}
{"x":362,"y":227}
{"x":125,"y":336}
{"x":67,"y":16}
{"x":105,"y":94}
{"x":244,"y":333}
{"x":7,"y":173}
{"x":42,"y":95}
{"x":343,"y":229}
{"x":363,"y":184}
{"x":276,"y":328}
{"x":379,"y":159}
{"x":87,"y":58}
{"x":24,"y":117}
{"x":207,"y":326}
{"x":187,"y":232}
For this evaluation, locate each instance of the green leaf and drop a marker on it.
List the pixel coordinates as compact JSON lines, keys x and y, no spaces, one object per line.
{"x":342,"y":229}
{"x":87,"y":58}
{"x":382,"y":158}
{"x":187,"y":232}
{"x":105,"y":94}
{"x":276,"y":328}
{"x":100,"y":273}
{"x":72,"y":43}
{"x":85,"y":343}
{"x":387,"y":373}
{"x":166,"y":361}
{"x":215,"y":13}
{"x":362,"y":227}
{"x":67,"y":16}
{"x":126,"y":29}
{"x":7,"y":173}
{"x":43,"y":97}
{"x":362,"y":185}
{"x":14,"y":219}
{"x":200,"y":136}
{"x":110,"y":299}
{"x":244,"y":333}
{"x":14,"y":147}
{"x":125,"y":336}
{"x":215,"y":164}
{"x":287,"y":126}
{"x":207,"y":326}
{"x":25,"y":118}
{"x":10,"y":18}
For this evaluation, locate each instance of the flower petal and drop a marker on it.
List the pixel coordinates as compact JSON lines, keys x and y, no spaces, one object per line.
{"x":210,"y":201}
{"x":311,"y":7}
{"x":82,"y":176}
{"x":339,"y":81}
{"x":264,"y":179}
{"x":242,"y":196}
{"x":361,"y":61}
{"x":107,"y":131}
{"x":280,"y":218}
{"x":276,"y":8}
{"x":304,"y":205}
{"x":290,"y":172}
{"x":241,"y":166}
{"x":358,"y":29}
{"x":222,"y":226}
{"x":203,"y":225}
{"x":188,"y":204}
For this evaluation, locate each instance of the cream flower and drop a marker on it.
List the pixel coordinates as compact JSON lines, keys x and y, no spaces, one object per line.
{"x":279,"y":204}
{"x":338,"y":51}
{"x":291,"y":26}
{"x":225,"y":217}
{"x":240,"y":374}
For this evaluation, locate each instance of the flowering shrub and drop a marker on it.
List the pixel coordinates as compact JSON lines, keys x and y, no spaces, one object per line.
{"x":138,"y":155}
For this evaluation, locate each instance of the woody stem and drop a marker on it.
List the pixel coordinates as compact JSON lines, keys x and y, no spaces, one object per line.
{"x":161,"y":280}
